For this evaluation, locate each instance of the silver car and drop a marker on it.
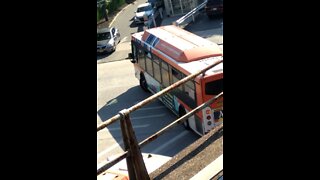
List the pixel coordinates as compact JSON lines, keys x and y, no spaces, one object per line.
{"x":107,"y":39}
{"x":144,"y":10}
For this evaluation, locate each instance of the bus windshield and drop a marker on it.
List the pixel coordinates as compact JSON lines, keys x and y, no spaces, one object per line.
{"x":214,"y":87}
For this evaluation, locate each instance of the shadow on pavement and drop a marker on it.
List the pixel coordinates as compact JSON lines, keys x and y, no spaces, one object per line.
{"x":112,"y":107}
{"x":133,"y":24}
{"x":102,"y":55}
{"x":203,"y":22}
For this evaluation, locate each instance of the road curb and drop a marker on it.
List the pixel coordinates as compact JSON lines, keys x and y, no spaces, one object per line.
{"x":210,"y":170}
{"x":119,"y":13}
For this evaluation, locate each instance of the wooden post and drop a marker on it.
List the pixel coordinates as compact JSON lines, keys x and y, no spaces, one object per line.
{"x":126,"y":143}
{"x":136,"y":167}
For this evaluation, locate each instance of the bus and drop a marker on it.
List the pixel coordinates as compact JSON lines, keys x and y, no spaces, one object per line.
{"x":164,"y":55}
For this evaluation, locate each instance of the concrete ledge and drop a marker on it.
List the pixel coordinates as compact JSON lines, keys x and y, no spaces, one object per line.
{"x":211,"y":170}
{"x":194,"y":158}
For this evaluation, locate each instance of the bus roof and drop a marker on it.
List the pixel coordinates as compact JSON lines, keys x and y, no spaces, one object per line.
{"x":195,"y":66}
{"x":179,"y":44}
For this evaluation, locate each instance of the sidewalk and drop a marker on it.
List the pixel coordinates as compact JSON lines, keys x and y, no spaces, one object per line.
{"x":169,"y":20}
{"x":214,"y":35}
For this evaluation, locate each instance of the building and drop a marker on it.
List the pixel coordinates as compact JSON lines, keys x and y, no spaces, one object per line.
{"x":180,"y":7}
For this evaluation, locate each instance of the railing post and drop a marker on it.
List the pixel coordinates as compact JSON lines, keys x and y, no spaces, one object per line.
{"x":136,"y":167}
{"x":126,"y":144}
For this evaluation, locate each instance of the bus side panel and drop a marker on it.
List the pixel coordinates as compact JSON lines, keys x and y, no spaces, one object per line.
{"x":137,"y":70}
{"x":153,"y":85}
{"x":195,"y":122}
{"x":169,"y":100}
{"x":199,"y":98}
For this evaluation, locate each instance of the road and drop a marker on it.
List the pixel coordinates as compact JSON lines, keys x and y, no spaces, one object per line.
{"x":124,"y":22}
{"x":116,"y":93}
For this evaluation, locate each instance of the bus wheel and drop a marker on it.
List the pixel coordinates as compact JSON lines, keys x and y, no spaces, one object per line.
{"x":182,"y":112}
{"x":143,"y":83}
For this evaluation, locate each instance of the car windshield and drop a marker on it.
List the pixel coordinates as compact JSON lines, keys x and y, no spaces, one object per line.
{"x":103,"y":36}
{"x":144,"y":8}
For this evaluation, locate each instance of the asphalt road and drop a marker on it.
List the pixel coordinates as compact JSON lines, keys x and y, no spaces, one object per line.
{"x":119,"y":89}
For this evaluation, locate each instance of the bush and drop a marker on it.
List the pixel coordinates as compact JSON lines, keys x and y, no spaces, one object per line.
{"x":101,"y":10}
{"x":109,"y":7}
{"x":113,"y":5}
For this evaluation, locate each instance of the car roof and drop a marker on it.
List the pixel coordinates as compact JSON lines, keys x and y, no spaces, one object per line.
{"x":144,"y":4}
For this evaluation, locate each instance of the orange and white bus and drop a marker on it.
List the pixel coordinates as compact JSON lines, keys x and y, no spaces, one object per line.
{"x":166,"y":54}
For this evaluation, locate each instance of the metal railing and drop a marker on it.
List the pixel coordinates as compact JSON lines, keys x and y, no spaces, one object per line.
{"x":190,"y":16}
{"x":135,"y":164}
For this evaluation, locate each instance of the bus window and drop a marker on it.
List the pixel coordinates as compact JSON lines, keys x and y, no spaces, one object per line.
{"x":165,"y":74}
{"x":156,"y":68}
{"x":176,"y":76}
{"x":141,"y":59}
{"x":214,"y":87}
{"x":189,"y":89}
{"x":149,"y":64}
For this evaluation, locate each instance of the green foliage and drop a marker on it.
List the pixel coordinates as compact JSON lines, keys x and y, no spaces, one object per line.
{"x":113,"y":5}
{"x":101,"y":10}
{"x":110,"y":5}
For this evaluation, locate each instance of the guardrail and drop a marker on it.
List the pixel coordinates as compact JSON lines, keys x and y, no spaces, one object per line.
{"x":190,"y":16}
{"x":135,"y":164}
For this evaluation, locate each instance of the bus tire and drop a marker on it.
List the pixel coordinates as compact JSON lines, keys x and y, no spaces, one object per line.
{"x":143,"y":83}
{"x":182,"y":112}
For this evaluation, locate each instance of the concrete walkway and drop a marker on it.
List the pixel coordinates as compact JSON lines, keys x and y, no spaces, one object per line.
{"x":169,"y":20}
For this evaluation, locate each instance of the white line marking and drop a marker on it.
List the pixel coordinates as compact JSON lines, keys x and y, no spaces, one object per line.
{"x":148,"y":108}
{"x":110,"y":148}
{"x":156,"y":151}
{"x":152,"y":116}
{"x":137,"y":126}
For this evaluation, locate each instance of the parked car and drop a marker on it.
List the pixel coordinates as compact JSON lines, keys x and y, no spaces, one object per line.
{"x":107,"y":39}
{"x":145,"y":9}
{"x":214,"y":7}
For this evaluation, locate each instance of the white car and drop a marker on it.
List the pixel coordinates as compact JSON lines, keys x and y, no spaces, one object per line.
{"x":107,"y":39}
{"x":146,"y":10}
